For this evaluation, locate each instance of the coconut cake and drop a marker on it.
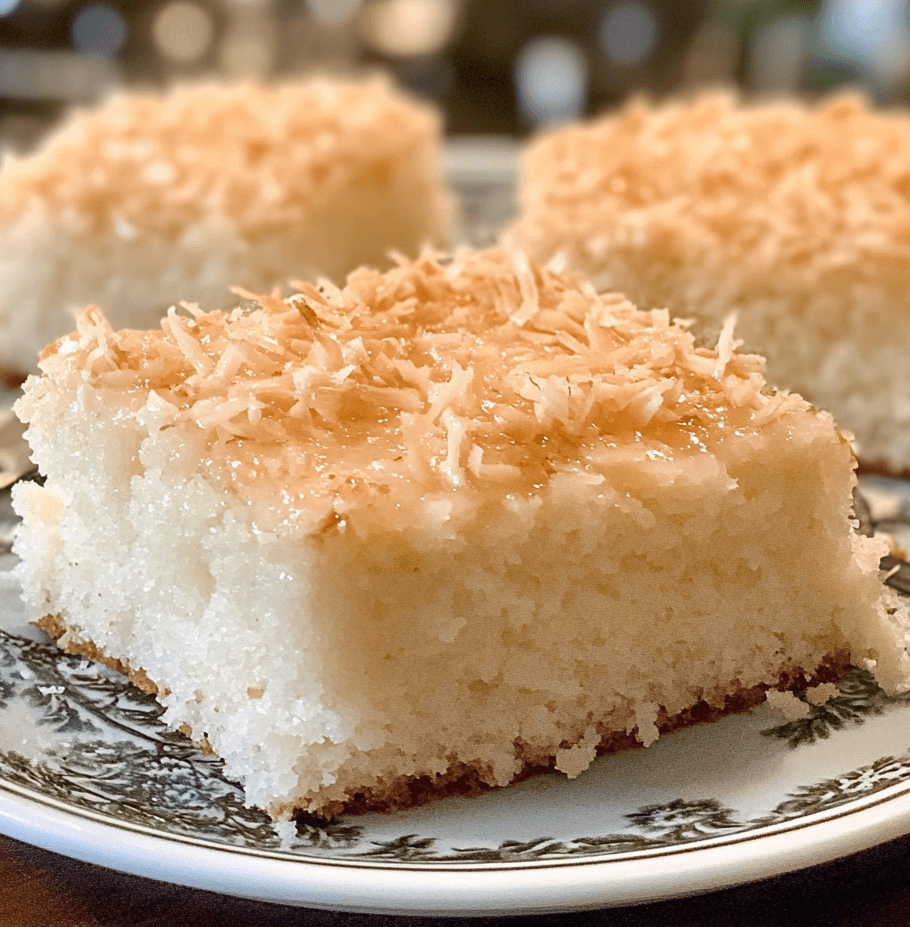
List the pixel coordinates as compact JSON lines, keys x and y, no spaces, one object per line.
{"x":452,"y":523}
{"x":795,"y":215}
{"x":153,"y":198}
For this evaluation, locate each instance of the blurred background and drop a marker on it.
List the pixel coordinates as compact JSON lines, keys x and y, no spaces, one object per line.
{"x":500,"y":67}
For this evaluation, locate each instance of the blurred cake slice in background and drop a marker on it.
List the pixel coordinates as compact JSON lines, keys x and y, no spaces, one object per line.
{"x":454,"y":523}
{"x":796,"y":216}
{"x":150,"y":199}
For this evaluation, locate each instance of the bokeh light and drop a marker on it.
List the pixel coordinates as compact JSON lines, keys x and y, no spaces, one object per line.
{"x":870,"y":38}
{"x":628,"y":32}
{"x":405,"y":28}
{"x":551,"y":80}
{"x":183,"y":31}
{"x":99,"y":30}
{"x":494,"y":66}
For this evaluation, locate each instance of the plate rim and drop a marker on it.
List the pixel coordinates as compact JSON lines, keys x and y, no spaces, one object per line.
{"x":58,"y":807}
{"x":466,"y":889}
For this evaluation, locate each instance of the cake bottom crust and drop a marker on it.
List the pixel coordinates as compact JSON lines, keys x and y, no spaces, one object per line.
{"x":468,"y":781}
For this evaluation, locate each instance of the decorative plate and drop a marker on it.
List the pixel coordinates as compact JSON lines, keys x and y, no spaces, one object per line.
{"x":88,"y":769}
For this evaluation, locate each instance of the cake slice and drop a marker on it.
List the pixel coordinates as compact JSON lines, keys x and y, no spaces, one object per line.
{"x":150,"y":199}
{"x":456,"y":522}
{"x":794,"y":215}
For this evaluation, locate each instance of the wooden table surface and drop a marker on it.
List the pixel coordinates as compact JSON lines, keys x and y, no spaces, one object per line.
{"x":42,"y":889}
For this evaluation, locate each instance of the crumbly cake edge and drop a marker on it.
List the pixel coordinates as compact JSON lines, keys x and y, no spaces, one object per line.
{"x":56,"y":628}
{"x":462,"y":779}
{"x":465,"y":781}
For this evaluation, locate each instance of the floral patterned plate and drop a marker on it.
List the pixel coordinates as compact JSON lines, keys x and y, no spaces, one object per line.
{"x":88,"y":769}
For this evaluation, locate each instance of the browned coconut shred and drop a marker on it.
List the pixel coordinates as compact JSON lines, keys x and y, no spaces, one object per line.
{"x":813,"y":189}
{"x":261,"y":156}
{"x":482,"y":371}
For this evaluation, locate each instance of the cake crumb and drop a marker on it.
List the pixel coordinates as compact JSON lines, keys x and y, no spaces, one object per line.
{"x":820,"y":694}
{"x":787,"y":704}
{"x":573,"y":761}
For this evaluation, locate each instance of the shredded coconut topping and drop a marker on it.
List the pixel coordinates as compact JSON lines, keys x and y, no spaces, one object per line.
{"x":262,"y":157}
{"x":778,"y":185}
{"x":481,"y":370}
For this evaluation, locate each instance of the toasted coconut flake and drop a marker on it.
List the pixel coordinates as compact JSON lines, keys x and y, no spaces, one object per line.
{"x":422,"y":375}
{"x":807,"y":189}
{"x":793,"y":213}
{"x":725,"y":346}
{"x":263,"y":157}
